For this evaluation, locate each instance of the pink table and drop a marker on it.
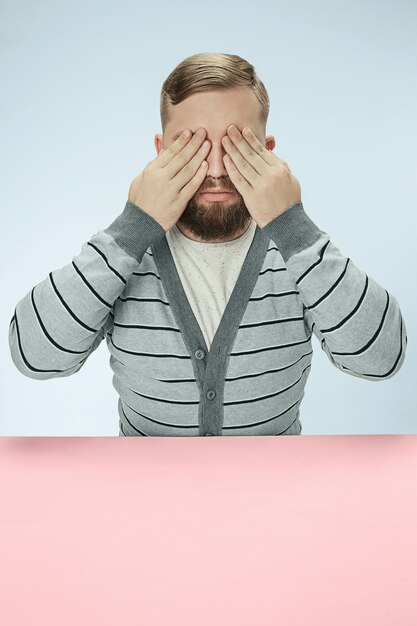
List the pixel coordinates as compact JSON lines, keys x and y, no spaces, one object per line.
{"x":208,"y":531}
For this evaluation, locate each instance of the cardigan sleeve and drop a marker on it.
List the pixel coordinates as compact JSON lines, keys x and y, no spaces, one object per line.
{"x":63,"y":319}
{"x":358,"y":322}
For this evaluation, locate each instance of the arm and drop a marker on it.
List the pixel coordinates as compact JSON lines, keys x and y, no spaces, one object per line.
{"x":63,"y":319}
{"x":358,"y":323}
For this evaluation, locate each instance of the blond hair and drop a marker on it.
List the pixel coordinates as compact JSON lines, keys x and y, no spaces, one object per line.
{"x":211,"y":71}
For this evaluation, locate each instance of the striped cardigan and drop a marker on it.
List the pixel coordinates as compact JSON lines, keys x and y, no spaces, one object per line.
{"x":124,"y":286}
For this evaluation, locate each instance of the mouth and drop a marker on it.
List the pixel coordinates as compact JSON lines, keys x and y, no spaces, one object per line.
{"x":217,"y":195}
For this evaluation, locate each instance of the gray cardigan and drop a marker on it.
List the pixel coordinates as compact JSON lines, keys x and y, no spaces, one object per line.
{"x":124,"y":286}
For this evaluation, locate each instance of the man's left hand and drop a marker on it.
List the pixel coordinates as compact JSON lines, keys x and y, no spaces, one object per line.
{"x":265,"y":181}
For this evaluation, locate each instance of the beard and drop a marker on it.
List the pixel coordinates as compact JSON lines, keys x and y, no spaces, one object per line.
{"x":209,"y":220}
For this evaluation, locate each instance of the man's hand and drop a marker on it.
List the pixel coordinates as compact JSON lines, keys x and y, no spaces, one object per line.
{"x":167,"y":183}
{"x":265,"y":181}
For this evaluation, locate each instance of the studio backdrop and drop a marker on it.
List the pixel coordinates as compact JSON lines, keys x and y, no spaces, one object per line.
{"x":80,"y":111}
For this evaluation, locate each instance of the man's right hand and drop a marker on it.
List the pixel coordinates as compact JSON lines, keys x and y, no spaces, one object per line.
{"x":169,"y":181}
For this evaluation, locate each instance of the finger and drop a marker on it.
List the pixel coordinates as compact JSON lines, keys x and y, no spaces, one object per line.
{"x":252,"y":149}
{"x":190,"y":168}
{"x":165,"y":156}
{"x":195,"y":183}
{"x":244,"y":166}
{"x":241,"y":184}
{"x":181,"y":151}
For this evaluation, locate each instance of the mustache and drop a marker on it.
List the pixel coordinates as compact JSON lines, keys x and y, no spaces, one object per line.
{"x":217,"y":188}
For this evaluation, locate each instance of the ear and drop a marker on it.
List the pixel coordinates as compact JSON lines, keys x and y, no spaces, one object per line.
{"x":270,"y":142}
{"x":158,"y":142}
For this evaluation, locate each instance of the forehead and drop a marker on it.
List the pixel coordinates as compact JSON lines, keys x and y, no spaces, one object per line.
{"x":214,"y":111}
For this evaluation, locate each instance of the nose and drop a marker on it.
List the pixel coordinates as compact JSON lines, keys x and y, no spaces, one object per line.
{"x":214,"y":158}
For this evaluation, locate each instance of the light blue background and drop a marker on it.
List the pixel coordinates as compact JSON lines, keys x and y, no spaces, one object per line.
{"x":79,"y":110}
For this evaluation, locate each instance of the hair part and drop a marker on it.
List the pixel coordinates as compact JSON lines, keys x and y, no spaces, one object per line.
{"x":208,"y":71}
